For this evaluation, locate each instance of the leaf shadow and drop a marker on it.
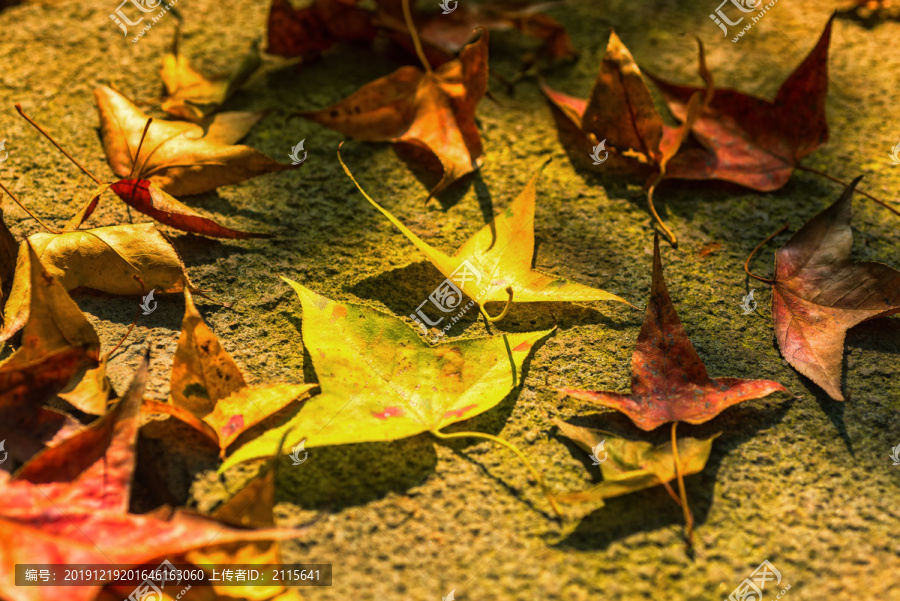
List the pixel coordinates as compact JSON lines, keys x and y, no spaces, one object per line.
{"x":650,"y":509}
{"x":350,"y":475}
{"x":215,"y":205}
{"x":416,"y":281}
{"x":427,"y":168}
{"x":879,"y":334}
{"x":196,"y":250}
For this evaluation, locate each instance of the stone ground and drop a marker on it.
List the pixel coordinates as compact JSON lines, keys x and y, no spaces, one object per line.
{"x":799,"y":479}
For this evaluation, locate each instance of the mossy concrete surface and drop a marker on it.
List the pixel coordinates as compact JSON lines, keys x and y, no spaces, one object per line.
{"x":800,"y":480}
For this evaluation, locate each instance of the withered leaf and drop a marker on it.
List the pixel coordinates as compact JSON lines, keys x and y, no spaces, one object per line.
{"x":443,"y":35}
{"x":669,"y":381}
{"x":208,"y":391}
{"x":433,"y":110}
{"x":57,"y":341}
{"x":70,"y":502}
{"x":151,"y":200}
{"x":632,"y":465}
{"x":8,"y":252}
{"x":752,"y":141}
{"x":178,"y":157}
{"x":192,"y":96}
{"x":310,"y":30}
{"x":621,"y":118}
{"x":103,"y":259}
{"x":819,"y":293}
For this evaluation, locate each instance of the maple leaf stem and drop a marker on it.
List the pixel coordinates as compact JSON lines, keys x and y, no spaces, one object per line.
{"x":24,"y":208}
{"x":407,"y":15}
{"x":688,"y":516}
{"x":659,"y":220}
{"x":672,"y":493}
{"x":519,"y":454}
{"x":845,"y":184}
{"x":137,"y":154}
{"x":52,"y":141}
{"x":753,"y":252}
{"x":503,"y":313}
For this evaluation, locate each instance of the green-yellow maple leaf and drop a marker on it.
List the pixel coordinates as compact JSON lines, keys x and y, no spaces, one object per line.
{"x":632,"y":465}
{"x":380,"y":381}
{"x":495,"y":263}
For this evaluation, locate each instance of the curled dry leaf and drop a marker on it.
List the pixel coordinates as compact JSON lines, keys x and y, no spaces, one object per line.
{"x":208,"y":391}
{"x":432,"y":110}
{"x":70,"y":502}
{"x":632,"y":465}
{"x":91,"y":391}
{"x":105,"y":259}
{"x":8,"y":252}
{"x":151,"y":200}
{"x":180,"y":158}
{"x":819,"y":293}
{"x":499,"y":256}
{"x":620,"y":118}
{"x":381,"y":382}
{"x":751,"y":141}
{"x":668,"y":380}
{"x":57,"y":341}
{"x":192,"y":96}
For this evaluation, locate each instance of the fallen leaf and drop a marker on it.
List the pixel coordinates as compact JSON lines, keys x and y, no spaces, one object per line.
{"x":8,"y":252}
{"x":632,"y":465}
{"x":70,"y":502}
{"x":57,"y":341}
{"x":252,"y":506}
{"x":151,"y":200}
{"x":104,"y":259}
{"x":311,"y":30}
{"x":444,"y":35}
{"x":381,"y":382}
{"x":431,"y":110}
{"x":208,"y":391}
{"x":752,"y":141}
{"x":190,"y":95}
{"x":178,"y":157}
{"x":90,"y":392}
{"x":498,"y":257}
{"x":669,"y":381}
{"x":620,"y":118}
{"x":819,"y":293}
